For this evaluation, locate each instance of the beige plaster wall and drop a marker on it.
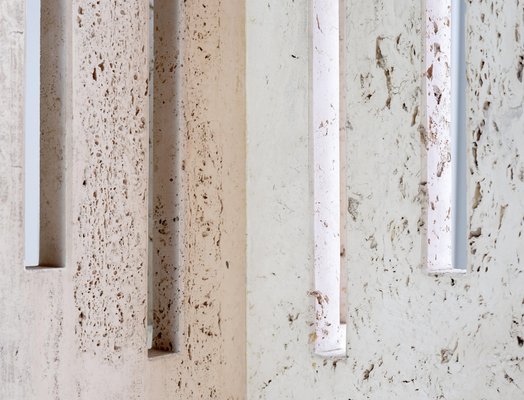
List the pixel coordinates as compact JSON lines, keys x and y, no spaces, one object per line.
{"x":79,"y":332}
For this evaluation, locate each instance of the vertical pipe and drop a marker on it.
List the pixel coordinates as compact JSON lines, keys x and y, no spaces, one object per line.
{"x":330,"y":335}
{"x":458,"y":122}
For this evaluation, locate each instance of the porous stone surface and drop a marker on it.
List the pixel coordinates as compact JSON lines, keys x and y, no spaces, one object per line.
{"x":80,"y":332}
{"x":211,"y":363}
{"x":411,"y":335}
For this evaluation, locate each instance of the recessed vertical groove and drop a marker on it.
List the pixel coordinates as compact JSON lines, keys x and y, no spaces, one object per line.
{"x":46,"y":200}
{"x":150,"y":222}
{"x":330,"y":338}
{"x":458,"y":126}
{"x":438,"y":135}
{"x":343,"y":169}
{"x":55,"y":103}
{"x":445,"y":136}
{"x":166,"y":296}
{"x":32,"y":134}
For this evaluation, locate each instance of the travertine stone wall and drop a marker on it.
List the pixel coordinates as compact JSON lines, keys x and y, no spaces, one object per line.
{"x":211,"y":364}
{"x":14,"y":360}
{"x":411,"y":335}
{"x":79,"y":332}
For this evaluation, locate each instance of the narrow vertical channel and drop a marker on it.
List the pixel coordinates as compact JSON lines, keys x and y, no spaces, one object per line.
{"x":55,"y":112}
{"x":47,"y":123}
{"x":458,"y":124}
{"x":343,"y":167}
{"x":438,"y":136}
{"x":32,"y":134}
{"x":151,"y":177}
{"x":330,"y":335}
{"x":445,"y":136}
{"x":164,"y":283}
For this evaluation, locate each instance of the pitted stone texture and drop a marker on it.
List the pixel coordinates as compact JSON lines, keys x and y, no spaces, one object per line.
{"x":31,"y":315}
{"x":14,"y":356}
{"x":79,"y":332}
{"x":110,"y":181}
{"x":211,"y":361}
{"x":410,"y":335}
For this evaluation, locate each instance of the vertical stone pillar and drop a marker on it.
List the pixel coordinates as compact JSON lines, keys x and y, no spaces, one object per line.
{"x":109,"y":179}
{"x":14,"y":358}
{"x":209,"y":108}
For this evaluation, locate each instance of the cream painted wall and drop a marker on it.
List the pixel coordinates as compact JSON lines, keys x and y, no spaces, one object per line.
{"x":410,"y":335}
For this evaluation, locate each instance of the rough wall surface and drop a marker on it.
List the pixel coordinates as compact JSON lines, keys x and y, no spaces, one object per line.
{"x":411,"y":335}
{"x":79,"y":332}
{"x":14,"y":363}
{"x":211,"y":363}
